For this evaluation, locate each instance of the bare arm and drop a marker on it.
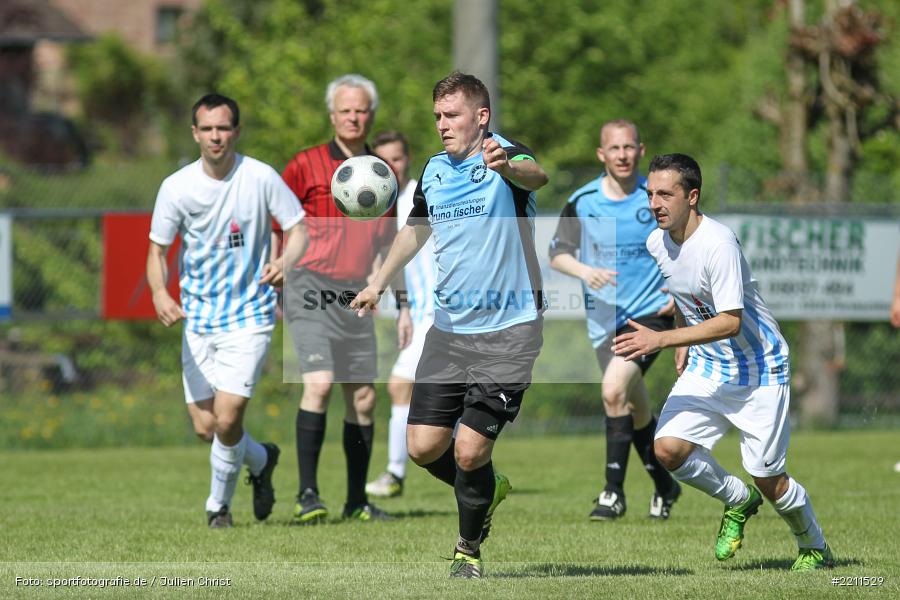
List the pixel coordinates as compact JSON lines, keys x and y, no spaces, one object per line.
{"x":167,"y":310}
{"x":895,"y":305}
{"x":296,"y":240}
{"x":645,"y":341}
{"x":407,"y":243}
{"x":526,"y":174}
{"x":594,"y":278}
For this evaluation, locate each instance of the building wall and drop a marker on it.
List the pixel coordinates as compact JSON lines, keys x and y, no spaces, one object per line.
{"x":136,"y":21}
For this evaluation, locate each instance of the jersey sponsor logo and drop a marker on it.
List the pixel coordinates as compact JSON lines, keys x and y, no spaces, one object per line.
{"x":777,"y":370}
{"x":463,"y":209}
{"x":706,"y":312}
{"x":643,"y":215}
{"x":236,"y":237}
{"x":478,"y":173}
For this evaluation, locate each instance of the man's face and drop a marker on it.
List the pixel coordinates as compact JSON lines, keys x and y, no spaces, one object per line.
{"x":215,"y":134}
{"x":620,"y":151}
{"x":669,"y":201}
{"x":351,"y":116}
{"x":460,"y":123}
{"x":393,"y":154}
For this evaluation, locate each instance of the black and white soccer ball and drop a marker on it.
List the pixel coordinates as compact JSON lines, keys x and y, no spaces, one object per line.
{"x":364,"y":187}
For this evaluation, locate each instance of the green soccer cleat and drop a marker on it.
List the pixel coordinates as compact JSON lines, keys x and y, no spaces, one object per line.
{"x":811,"y":559}
{"x":309,"y":509}
{"x":731,"y":530}
{"x":366,"y":513}
{"x":387,"y":485}
{"x":465,"y":567}
{"x":501,"y":488}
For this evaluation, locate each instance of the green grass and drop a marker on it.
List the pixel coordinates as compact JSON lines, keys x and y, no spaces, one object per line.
{"x":137,"y":512}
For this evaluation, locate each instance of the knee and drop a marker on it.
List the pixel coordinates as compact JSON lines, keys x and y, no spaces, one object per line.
{"x":228,"y":424}
{"x":364,"y":401}
{"x":315,"y":395}
{"x":395,"y":390}
{"x":420,"y":453}
{"x":204,"y":433}
{"x":613,"y":398}
{"x":669,"y":456}
{"x":469,"y":459}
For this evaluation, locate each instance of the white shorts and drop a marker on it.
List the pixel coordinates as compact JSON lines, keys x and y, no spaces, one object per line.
{"x":408,"y":359}
{"x":230,"y":361}
{"x":701,"y":411}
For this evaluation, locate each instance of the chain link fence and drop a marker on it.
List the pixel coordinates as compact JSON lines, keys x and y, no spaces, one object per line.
{"x":121,"y":382}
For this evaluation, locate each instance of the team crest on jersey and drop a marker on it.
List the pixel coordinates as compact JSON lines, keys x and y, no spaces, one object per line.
{"x":235,"y":238}
{"x":478,"y":173}
{"x":706,"y":312}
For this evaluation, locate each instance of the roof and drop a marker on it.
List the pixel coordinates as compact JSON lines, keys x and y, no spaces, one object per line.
{"x":24,"y":22}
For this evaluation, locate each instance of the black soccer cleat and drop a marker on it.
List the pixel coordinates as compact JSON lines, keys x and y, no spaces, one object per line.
{"x":610,"y":505}
{"x":220,"y":519}
{"x":263,"y":492}
{"x":661,"y":504}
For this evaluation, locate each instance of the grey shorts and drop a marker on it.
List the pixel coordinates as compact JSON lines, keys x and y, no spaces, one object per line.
{"x":327,"y":335}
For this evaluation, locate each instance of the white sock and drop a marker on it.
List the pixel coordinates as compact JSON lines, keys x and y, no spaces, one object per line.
{"x":255,"y":456}
{"x":700,"y":470}
{"x":796,"y":509}
{"x":226,"y":464}
{"x":397,"y":453}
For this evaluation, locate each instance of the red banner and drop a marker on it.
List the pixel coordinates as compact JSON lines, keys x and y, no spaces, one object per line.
{"x":125,"y":293}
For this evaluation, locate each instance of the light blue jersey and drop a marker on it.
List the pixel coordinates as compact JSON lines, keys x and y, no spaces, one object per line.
{"x":482,"y":225}
{"x":612,"y":234}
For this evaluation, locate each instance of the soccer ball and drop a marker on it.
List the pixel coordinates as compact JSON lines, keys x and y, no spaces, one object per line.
{"x":364,"y":187}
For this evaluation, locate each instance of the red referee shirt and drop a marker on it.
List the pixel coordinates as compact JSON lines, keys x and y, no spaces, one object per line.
{"x":339,"y":247}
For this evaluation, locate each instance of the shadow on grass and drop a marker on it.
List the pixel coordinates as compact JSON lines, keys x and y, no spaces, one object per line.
{"x":576,"y":570}
{"x":775,"y":564}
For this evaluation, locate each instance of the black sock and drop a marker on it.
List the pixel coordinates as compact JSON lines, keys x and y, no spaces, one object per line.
{"x":358,"y":450}
{"x":310,"y":431}
{"x":618,"y":446}
{"x":474,"y":494}
{"x":444,"y":468}
{"x":643,"y":443}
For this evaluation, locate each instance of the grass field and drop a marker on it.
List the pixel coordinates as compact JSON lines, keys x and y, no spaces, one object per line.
{"x":139,"y":513}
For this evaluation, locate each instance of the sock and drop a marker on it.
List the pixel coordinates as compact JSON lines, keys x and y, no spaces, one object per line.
{"x":796,"y":509}
{"x":397,"y":453}
{"x":226,"y":464}
{"x":643,"y":443}
{"x":619,"y":432}
{"x":700,"y":470}
{"x":358,"y":450}
{"x":255,"y":456}
{"x":444,"y":468}
{"x":310,"y":429}
{"x":474,"y":494}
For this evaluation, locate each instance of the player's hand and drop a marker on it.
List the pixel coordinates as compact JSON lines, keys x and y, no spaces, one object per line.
{"x":681,"y":357}
{"x":635,"y":344}
{"x":404,"y":328}
{"x":494,"y":156}
{"x":167,"y":310}
{"x":273,"y":273}
{"x":669,"y":309}
{"x":366,"y":299}
{"x":597,"y":278}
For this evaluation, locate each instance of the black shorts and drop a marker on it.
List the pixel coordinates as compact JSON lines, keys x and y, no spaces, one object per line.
{"x":327,"y":335}
{"x":479,"y":378}
{"x":604,"y":352}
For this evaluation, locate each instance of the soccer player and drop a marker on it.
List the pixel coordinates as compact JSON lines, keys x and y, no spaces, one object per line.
{"x":222,"y":205}
{"x":332,"y":344}
{"x":420,"y":275}
{"x":620,"y":281}
{"x":732,"y":363}
{"x":476,"y":199}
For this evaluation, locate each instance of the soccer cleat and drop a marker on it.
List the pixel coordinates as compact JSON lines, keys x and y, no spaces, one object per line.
{"x":465,"y":566}
{"x":309,"y":509}
{"x":501,"y":488}
{"x":263,"y":492}
{"x":661,"y":505}
{"x":365,"y":513}
{"x":811,"y":559}
{"x":220,"y":519}
{"x":731,"y":530}
{"x":610,"y":506}
{"x":387,"y":485}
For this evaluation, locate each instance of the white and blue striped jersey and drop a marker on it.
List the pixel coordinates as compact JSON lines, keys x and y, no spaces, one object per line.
{"x":488,"y":275}
{"x":707,"y":275}
{"x":612,"y":234}
{"x":226,"y":231}
{"x":420,"y":272}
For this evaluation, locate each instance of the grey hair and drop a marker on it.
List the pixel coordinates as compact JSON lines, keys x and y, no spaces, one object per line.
{"x":352,"y":80}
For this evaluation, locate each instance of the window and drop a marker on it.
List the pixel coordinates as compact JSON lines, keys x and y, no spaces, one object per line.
{"x":167,"y":23}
